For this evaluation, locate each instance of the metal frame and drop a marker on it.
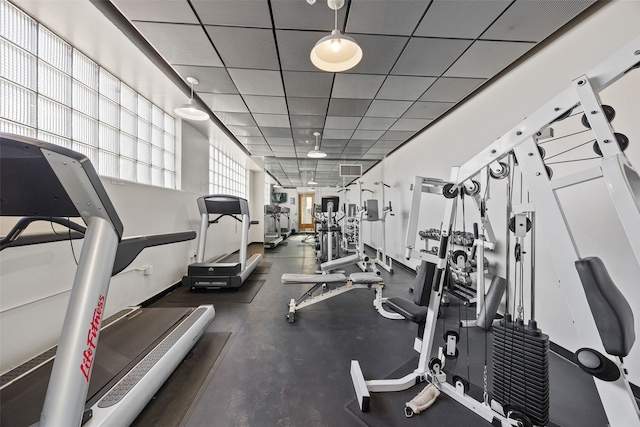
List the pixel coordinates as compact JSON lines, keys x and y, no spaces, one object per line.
{"x":623,"y":183}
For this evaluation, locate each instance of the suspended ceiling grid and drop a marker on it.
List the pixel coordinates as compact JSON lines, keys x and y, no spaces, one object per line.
{"x":420,"y":58}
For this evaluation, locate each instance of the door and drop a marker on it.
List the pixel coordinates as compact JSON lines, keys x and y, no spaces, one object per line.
{"x":305,"y":212}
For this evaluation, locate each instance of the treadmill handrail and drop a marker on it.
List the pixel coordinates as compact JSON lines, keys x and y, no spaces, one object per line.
{"x":130,"y":247}
{"x":15,"y":236}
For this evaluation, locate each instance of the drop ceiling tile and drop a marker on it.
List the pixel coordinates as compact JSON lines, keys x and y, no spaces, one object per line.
{"x":171,"y":11}
{"x":307,"y":122}
{"x":300,"y":15}
{"x":462,"y":19}
{"x":295,"y":47}
{"x":427,"y":110}
{"x":382,"y":108}
{"x":210,"y":79}
{"x":348,"y":107}
{"x":236,"y":119}
{"x":410,"y":124}
{"x":272,"y":120}
{"x":378,"y":151}
{"x":447,"y":89}
{"x":330,"y":142}
{"x":379,"y":53}
{"x":224,"y":102}
{"x":180,"y":43}
{"x":279,"y":141}
{"x":302,"y":134}
{"x":376,"y":123}
{"x":534,"y":20}
{"x":277,"y":132}
{"x":396,"y":135}
{"x":260,"y":151}
{"x":233,"y":13}
{"x":355,"y":150}
{"x":368,"y":134}
{"x":404,"y":88}
{"x":245,"y":130}
{"x":390,"y":145}
{"x":266,"y":104}
{"x":308,"y":84}
{"x":336,"y":122}
{"x":257,"y":82}
{"x":372,"y":156}
{"x":484,"y":59}
{"x":429,"y":57}
{"x":356,"y":86}
{"x":360,"y":142}
{"x":252,"y":140}
{"x":378,"y":17}
{"x":308,"y":106}
{"x":245,"y":47}
{"x":337,"y":133}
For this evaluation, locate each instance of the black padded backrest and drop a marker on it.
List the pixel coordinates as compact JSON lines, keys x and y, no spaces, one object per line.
{"x":611,"y":311}
{"x":422,"y":283}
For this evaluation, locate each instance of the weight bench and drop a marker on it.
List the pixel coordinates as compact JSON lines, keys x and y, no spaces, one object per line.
{"x":345,"y":284}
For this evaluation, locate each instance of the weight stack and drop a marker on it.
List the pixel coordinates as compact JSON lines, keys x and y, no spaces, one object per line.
{"x":521,"y":369}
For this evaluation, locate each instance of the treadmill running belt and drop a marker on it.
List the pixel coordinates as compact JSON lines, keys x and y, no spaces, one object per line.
{"x":121,"y":345}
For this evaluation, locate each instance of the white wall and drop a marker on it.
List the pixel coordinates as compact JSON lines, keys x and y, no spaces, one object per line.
{"x":463,"y":133}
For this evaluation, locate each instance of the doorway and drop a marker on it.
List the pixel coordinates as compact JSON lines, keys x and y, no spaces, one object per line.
{"x":305,"y":212}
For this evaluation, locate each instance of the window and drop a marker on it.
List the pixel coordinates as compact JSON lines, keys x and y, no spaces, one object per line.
{"x":51,"y":91}
{"x":225,"y":175}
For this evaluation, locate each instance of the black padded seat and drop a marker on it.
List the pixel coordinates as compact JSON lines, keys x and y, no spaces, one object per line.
{"x":407,"y":309}
{"x":611,"y":311}
{"x":416,"y":310}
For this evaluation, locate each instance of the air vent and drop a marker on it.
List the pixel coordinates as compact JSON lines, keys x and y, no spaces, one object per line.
{"x":350,"y":170}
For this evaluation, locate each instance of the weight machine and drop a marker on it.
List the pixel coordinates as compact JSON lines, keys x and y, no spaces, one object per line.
{"x":602,"y":316}
{"x":381,"y":253}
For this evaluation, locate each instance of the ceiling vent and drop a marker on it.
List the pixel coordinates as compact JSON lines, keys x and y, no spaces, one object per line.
{"x":350,"y":170}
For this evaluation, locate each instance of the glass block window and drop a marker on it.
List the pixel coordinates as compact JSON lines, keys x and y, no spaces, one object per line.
{"x":226,"y":176}
{"x":51,"y":91}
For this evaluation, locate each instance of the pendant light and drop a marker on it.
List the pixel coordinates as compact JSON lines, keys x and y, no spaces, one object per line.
{"x":336,"y":52}
{"x":316,"y":153}
{"x":190,"y":111}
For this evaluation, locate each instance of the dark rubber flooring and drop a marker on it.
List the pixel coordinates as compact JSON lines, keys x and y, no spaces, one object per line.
{"x":275,"y":373}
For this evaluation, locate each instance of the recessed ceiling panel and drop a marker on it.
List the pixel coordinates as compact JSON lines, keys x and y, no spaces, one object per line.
{"x":396,"y":135}
{"x":171,"y":11}
{"x":308,"y":84}
{"x":252,"y":140}
{"x":233,"y":13}
{"x":410,"y":124}
{"x":427,"y":110}
{"x":381,"y":108}
{"x":429,"y":57}
{"x":451,"y":89}
{"x":180,"y":44}
{"x":368,"y":134}
{"x":224,"y":102}
{"x":484,"y":59}
{"x":379,"y":53}
{"x":236,"y":119}
{"x":276,"y":132}
{"x":462,"y":19}
{"x":534,"y":20}
{"x":275,"y":141}
{"x":337,"y":122}
{"x":348,"y":107}
{"x":357,"y":86}
{"x":272,"y":120}
{"x":257,"y":82}
{"x":245,"y":130}
{"x":404,"y":88}
{"x":376,"y":123}
{"x":308,"y":106}
{"x":266,"y":104}
{"x":210,"y":79}
{"x":377,"y":17}
{"x":334,"y":142}
{"x":295,"y":47}
{"x":360,"y":143}
{"x":245,"y":47}
{"x":337,"y":133}
{"x":307,"y":122}
{"x":300,"y":15}
{"x":302,"y":135}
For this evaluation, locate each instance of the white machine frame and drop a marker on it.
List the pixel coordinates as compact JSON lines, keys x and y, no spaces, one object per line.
{"x":622,"y":181}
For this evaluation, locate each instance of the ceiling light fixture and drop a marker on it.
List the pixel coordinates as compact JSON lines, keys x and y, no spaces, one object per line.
{"x":316,"y":153}
{"x":336,"y":52}
{"x":312,"y":182}
{"x":190,"y":111}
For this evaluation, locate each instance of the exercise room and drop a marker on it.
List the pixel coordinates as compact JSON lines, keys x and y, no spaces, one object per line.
{"x":257,"y":213}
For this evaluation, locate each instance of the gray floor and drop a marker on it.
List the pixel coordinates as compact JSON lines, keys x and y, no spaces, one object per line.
{"x":275,"y":373}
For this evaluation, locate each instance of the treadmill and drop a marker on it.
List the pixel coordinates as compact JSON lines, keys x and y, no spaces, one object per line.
{"x":273,"y":239}
{"x":230,"y":271}
{"x":285,"y":231}
{"x":87,"y":383}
